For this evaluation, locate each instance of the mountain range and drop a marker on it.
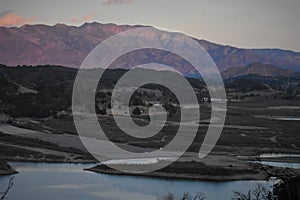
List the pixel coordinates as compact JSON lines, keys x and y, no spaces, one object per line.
{"x":69,"y":45}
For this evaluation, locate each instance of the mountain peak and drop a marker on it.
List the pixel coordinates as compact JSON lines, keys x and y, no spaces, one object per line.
{"x":91,"y":24}
{"x":67,"y":45}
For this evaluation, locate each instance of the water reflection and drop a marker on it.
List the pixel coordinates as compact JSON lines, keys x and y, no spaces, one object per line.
{"x":281,"y":164}
{"x":4,"y":192}
{"x":68,"y":181}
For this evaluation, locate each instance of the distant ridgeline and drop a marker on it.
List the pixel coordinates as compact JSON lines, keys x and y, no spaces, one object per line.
{"x":69,"y":45}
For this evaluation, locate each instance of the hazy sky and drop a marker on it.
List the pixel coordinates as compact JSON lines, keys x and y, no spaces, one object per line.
{"x":242,"y":23}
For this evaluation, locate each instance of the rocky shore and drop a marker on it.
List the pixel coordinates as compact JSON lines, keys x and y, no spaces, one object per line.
{"x":5,"y":169}
{"x":200,"y":171}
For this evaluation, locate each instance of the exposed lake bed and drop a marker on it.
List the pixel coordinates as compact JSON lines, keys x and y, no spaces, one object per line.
{"x":50,"y":140}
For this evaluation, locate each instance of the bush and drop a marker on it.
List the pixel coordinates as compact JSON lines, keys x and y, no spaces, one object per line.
{"x":136,"y":111}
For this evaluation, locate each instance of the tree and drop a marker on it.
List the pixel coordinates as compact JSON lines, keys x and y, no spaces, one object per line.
{"x":9,"y":186}
{"x":259,"y":192}
{"x":136,"y":111}
{"x":102,"y":111}
{"x":186,"y":196}
{"x":288,"y":188}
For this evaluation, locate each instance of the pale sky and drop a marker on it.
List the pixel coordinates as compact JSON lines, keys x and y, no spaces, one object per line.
{"x":240,"y":23}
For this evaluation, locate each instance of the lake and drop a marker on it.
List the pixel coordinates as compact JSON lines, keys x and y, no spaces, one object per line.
{"x":281,"y":164}
{"x":38,"y":181}
{"x":294,"y":165}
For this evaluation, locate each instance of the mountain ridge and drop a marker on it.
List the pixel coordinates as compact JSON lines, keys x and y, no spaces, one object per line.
{"x":66,"y":45}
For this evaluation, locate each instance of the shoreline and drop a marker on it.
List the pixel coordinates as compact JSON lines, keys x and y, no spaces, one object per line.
{"x":176,"y":176}
{"x":156,"y":174}
{"x":254,"y":172}
{"x":264,"y":174}
{"x":191,"y":170}
{"x":6,"y":169}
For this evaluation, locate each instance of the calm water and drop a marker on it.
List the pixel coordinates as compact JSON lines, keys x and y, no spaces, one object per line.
{"x":278,"y":155}
{"x":282,"y":164}
{"x":294,"y":165}
{"x":288,"y":118}
{"x":45,"y":181}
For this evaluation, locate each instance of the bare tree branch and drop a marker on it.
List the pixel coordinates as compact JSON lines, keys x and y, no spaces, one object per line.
{"x":9,"y":186}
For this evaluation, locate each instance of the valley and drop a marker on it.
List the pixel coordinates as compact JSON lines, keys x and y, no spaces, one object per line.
{"x":253,"y":126}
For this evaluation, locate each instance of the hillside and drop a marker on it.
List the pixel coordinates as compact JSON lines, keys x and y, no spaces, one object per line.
{"x":69,"y":45}
{"x":41,"y":91}
{"x":256,"y":69}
